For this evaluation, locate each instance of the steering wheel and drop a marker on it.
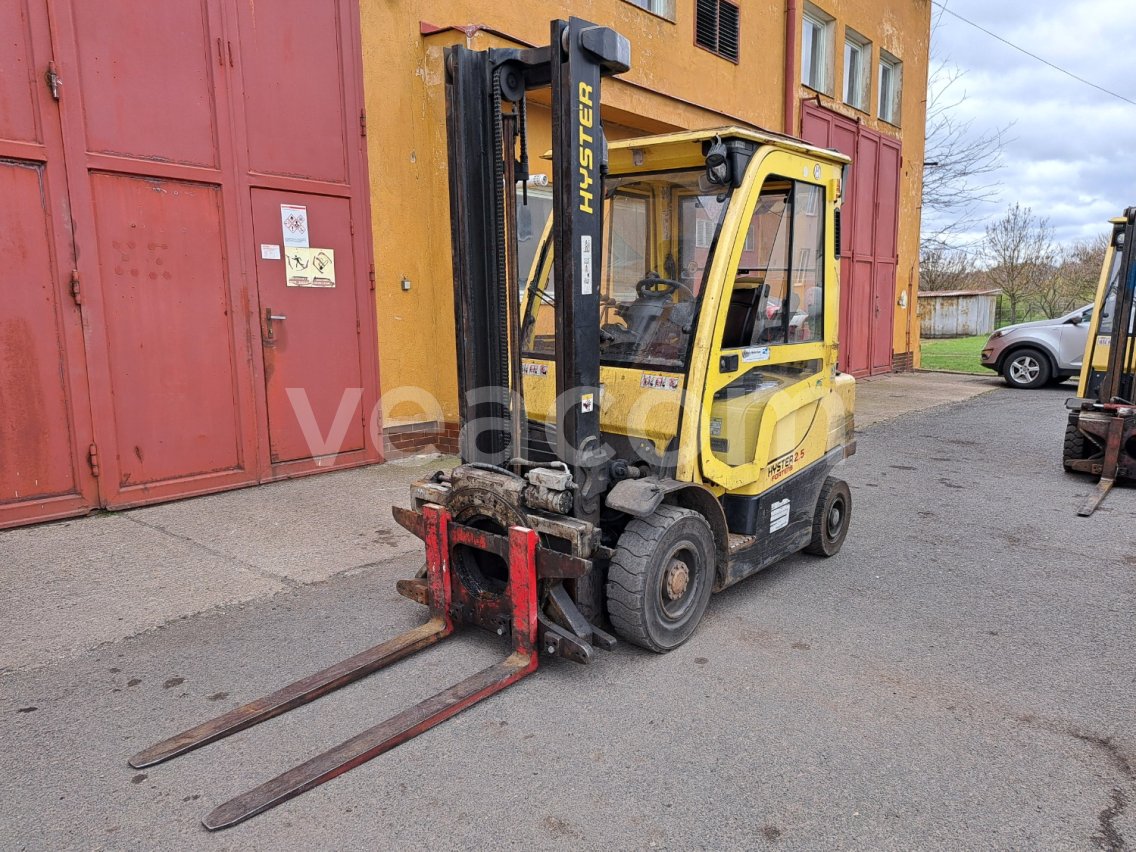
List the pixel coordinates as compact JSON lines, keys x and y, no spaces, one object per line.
{"x":661,"y":286}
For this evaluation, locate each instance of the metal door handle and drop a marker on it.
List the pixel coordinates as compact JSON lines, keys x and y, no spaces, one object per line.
{"x":270,"y":318}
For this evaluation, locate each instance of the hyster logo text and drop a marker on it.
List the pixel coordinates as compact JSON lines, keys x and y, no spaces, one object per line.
{"x":586,"y":157}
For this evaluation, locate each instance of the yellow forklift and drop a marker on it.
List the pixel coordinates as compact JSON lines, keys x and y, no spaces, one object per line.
{"x":1100,"y":437}
{"x":651,"y":414}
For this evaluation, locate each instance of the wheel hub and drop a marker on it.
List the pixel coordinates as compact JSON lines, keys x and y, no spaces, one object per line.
{"x":676,"y":580}
{"x":1025,"y":369}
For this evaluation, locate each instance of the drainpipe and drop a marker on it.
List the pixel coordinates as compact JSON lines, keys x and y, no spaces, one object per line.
{"x":791,"y":43}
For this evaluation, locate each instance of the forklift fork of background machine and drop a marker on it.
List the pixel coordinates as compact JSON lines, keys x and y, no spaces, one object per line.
{"x":482,"y":150}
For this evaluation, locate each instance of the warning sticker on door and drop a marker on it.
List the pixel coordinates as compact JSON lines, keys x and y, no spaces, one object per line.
{"x":294,"y":221}
{"x":310,"y":267}
{"x":269,"y":252}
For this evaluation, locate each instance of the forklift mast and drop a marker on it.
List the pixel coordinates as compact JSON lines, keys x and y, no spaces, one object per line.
{"x":1100,"y":438}
{"x":1119,"y":382}
{"x":484,"y":171}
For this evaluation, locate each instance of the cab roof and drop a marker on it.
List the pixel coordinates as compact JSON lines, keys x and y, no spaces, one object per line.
{"x":680,"y":139}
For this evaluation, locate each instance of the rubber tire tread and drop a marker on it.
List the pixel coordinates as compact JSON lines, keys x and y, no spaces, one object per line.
{"x":1042,"y":378}
{"x":630,"y":567}
{"x":1075,"y":446}
{"x":818,"y":546}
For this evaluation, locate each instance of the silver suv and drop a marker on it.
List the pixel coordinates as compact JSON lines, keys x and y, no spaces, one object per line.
{"x":1031,"y":354}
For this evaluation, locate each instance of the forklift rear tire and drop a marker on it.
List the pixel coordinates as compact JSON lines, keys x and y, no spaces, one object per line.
{"x":660,"y":578}
{"x":830,"y":522}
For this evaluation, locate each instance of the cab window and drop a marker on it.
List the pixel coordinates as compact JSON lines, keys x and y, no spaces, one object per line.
{"x":660,"y":232}
{"x":778,"y":294}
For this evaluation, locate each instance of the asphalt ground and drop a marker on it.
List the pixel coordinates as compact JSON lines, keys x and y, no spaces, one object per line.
{"x":961,"y":675}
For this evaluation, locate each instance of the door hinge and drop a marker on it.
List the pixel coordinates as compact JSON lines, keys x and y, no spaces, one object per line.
{"x":372,"y":274}
{"x":51,"y":75}
{"x":76,"y":291}
{"x":93,"y":459}
{"x":362,"y":122}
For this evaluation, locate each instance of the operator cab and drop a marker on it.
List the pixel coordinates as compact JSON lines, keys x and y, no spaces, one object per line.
{"x":718,"y":301}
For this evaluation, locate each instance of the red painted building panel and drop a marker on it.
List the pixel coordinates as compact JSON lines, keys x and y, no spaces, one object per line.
{"x":861,"y":305}
{"x":316,"y":351}
{"x":291,"y":61}
{"x":45,"y":427}
{"x":883,"y":318}
{"x":165,"y":286}
{"x":133,"y":185}
{"x":36,"y":458}
{"x":888,"y":194}
{"x":868,"y":238}
{"x":17,"y":67}
{"x":146,"y":74}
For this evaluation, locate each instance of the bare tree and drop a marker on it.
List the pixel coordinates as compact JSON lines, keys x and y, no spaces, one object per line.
{"x":1020,"y":256}
{"x":1074,"y":279}
{"x":943,"y":268}
{"x":959,"y":164}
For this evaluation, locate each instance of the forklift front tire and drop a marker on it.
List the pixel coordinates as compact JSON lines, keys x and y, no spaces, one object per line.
{"x":660,"y":579}
{"x":830,"y":521}
{"x":1075,"y":448}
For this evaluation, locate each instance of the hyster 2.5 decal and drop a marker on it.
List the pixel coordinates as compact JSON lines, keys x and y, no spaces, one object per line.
{"x":780,"y":467}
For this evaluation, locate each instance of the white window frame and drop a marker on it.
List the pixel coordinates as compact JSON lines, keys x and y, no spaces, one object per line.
{"x":856,"y":86}
{"x":817,"y":27}
{"x":890,"y":90}
{"x":662,"y":8}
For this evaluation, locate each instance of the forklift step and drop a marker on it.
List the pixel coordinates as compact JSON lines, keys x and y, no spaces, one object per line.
{"x":740,"y":542}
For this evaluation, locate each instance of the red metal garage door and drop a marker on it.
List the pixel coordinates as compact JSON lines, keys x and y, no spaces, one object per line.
{"x":307,"y":150}
{"x":45,"y":428}
{"x":169,"y":121}
{"x":868,"y":239}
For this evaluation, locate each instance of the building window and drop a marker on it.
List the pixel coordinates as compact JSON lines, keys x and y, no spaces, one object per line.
{"x":857,"y":68}
{"x":716,"y":27}
{"x":891,"y":85}
{"x":816,"y":49}
{"x":662,"y":8}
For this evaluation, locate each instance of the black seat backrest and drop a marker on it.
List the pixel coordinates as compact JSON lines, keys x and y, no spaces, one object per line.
{"x":746,"y":304}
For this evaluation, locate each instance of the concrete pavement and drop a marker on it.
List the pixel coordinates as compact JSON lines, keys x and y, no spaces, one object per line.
{"x":72,"y":585}
{"x":959,"y":676}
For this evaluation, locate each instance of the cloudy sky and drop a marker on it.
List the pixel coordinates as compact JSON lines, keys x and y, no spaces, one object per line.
{"x":1071,"y":152}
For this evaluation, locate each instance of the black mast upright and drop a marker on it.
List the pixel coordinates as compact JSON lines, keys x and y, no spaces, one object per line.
{"x":477,"y":82}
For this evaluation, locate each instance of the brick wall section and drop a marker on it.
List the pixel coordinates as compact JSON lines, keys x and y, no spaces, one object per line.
{"x":420,"y":437}
{"x":903,"y":362}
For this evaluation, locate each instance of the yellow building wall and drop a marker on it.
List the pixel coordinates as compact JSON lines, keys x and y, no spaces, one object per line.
{"x":903,"y":29}
{"x":672,"y":84}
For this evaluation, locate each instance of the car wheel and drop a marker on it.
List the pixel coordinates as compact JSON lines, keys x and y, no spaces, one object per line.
{"x":1026,"y":368}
